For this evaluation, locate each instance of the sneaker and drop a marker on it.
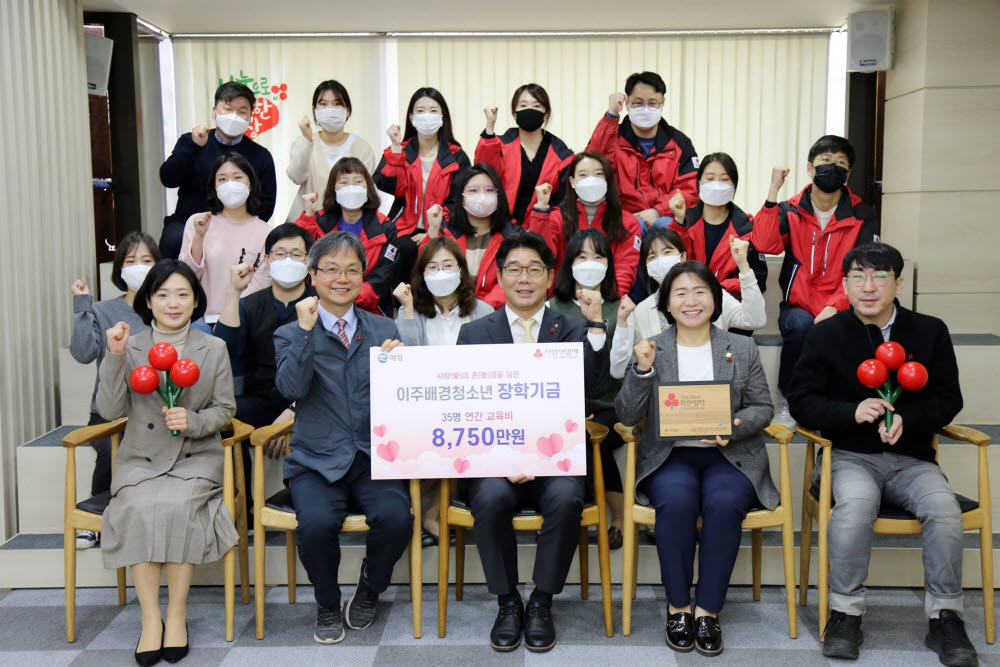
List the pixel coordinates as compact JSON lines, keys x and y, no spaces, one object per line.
{"x":360,"y":609}
{"x":329,"y":625}
{"x":85,"y":539}
{"x":946,"y":637}
{"x":843,"y":636}
{"x":782,"y":416}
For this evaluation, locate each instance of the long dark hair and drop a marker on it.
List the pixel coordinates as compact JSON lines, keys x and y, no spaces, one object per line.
{"x":459,"y":221}
{"x":614,"y":229}
{"x":423,"y":300}
{"x":445,"y":133}
{"x":564,"y":286}
{"x":212,"y":201}
{"x":127,"y":245}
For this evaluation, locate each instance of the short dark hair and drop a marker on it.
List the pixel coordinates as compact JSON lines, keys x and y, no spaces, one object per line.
{"x":727,"y":163}
{"x":348,"y":165}
{"x":125,"y":248}
{"x":212,"y":202}
{"x":649,"y":78}
{"x":423,"y":300}
{"x":831,"y":143}
{"x":459,"y":221}
{"x":564,"y":286}
{"x":668,"y":236}
{"x":155,"y":279}
{"x":529,"y":240}
{"x":445,"y":134}
{"x":332,"y":244}
{"x":230,"y":90}
{"x":700,"y":271}
{"x":535,"y":91}
{"x":874,"y":255}
{"x":338,"y":91}
{"x":287,"y":230}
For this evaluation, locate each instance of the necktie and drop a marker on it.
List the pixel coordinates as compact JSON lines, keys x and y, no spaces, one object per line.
{"x":342,"y":334}
{"x":526,"y":325}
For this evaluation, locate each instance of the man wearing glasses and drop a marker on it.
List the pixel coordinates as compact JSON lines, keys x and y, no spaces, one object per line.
{"x":651,"y":159}
{"x":873,"y":464}
{"x":524,"y":270}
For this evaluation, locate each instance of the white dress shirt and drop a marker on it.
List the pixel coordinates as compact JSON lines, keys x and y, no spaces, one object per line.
{"x":329,"y":321}
{"x":517,"y":331}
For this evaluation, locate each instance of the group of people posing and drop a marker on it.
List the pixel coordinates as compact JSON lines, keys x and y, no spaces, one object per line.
{"x":632,"y":247}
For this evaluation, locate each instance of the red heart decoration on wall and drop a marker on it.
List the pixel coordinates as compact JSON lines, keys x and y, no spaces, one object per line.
{"x":264,"y":117}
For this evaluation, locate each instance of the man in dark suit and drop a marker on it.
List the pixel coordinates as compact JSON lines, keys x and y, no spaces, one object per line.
{"x":524,"y":271}
{"x":325,"y":371}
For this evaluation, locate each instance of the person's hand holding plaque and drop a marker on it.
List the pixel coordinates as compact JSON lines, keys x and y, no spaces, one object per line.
{"x":718,"y":439}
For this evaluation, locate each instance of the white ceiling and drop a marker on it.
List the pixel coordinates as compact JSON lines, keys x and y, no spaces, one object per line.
{"x":254,"y":16}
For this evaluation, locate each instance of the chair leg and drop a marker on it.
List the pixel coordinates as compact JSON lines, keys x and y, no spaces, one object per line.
{"x":604,"y":565}
{"x":986,"y":562}
{"x":244,"y":554}
{"x":69,"y":567}
{"x":824,"y":576}
{"x":459,"y":562}
{"x":121,"y":585}
{"x":229,"y":567}
{"x":788,"y":558}
{"x":290,"y":563}
{"x":756,"y":549}
{"x":584,"y":563}
{"x":805,"y":556}
{"x":444,"y":554}
{"x":416,"y":561}
{"x":630,"y":536}
{"x":259,"y":577}
{"x":635,"y":564}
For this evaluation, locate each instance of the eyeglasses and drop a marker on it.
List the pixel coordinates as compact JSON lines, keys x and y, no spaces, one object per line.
{"x":336,"y":272}
{"x":880,"y":279}
{"x":278,"y":255}
{"x":534,"y":271}
{"x":476,"y":191}
{"x":447,"y":266}
{"x":638,"y":104}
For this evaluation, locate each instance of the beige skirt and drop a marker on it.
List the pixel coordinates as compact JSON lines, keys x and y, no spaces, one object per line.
{"x":167,"y":520}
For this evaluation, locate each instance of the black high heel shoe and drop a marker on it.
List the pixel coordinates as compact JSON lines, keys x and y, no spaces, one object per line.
{"x":177,"y":653}
{"x":149,"y":658}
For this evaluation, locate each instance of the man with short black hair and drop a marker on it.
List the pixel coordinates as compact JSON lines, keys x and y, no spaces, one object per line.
{"x":189,"y":166}
{"x":873,"y":463}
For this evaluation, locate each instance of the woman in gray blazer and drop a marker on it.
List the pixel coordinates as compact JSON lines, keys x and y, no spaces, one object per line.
{"x":166,"y":510}
{"x":718,"y":480}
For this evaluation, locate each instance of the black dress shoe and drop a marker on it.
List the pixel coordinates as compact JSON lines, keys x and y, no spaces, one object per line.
{"x":680,"y":631}
{"x":707,"y":636}
{"x":843,"y":636}
{"x":946,"y":637}
{"x":177,"y":653}
{"x":539,"y":630}
{"x":427,"y":538}
{"x":148,"y":658}
{"x":506,"y":633}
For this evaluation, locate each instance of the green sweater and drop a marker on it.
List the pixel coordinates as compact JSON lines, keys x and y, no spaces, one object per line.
{"x":609,"y":312}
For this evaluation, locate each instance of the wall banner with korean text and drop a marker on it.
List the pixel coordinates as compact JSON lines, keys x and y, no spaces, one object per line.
{"x":478,"y":411}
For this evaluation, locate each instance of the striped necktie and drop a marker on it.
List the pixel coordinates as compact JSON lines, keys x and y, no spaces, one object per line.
{"x":342,"y":334}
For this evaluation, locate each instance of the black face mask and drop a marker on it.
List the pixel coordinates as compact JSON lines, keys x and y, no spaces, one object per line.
{"x":829,"y":177}
{"x":529,"y":120}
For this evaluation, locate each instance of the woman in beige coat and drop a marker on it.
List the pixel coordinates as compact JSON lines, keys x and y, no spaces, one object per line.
{"x":166,"y":510}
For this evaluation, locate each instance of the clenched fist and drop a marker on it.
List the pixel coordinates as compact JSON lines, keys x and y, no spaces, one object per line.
{"x":645,"y":352}
{"x":306,"y":128}
{"x":543,"y":193}
{"x":625,"y":308}
{"x":118,"y":338}
{"x":199,"y":134}
{"x":308,"y":312}
{"x":435,"y":218}
{"x":778,"y":175}
{"x":201,"y":224}
{"x":491,"y":119}
{"x":310,"y":203}
{"x":590,"y":304}
{"x":678,"y":207}
{"x":739,"y":249}
{"x":404,"y":295}
{"x":616,"y":102}
{"x":395,"y":137}
{"x":176,"y":418}
{"x":79,"y":287}
{"x":240,"y":276}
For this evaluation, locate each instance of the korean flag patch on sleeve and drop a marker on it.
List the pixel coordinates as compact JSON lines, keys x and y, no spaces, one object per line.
{"x":637,"y":243}
{"x":390,"y":251}
{"x":695,"y":161}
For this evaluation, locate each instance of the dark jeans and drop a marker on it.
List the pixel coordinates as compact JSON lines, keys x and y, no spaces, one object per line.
{"x":612,"y":478}
{"x":494,"y":501}
{"x":101,"y":480}
{"x":171,"y":239}
{"x":321,"y":508}
{"x":256,"y":411}
{"x":693,"y":482}
{"x":793,"y":323}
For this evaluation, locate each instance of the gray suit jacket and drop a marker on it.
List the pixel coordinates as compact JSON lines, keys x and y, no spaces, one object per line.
{"x":148,"y":450}
{"x":751,"y":398}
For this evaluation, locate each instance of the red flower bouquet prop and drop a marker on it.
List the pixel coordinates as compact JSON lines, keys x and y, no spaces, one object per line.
{"x":181,"y":373}
{"x":874,"y":374}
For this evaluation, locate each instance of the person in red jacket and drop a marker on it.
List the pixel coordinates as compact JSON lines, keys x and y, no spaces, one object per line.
{"x":350,"y":204}
{"x":651,"y":159}
{"x":590,"y":201}
{"x":479,"y":225}
{"x":706,"y":228}
{"x":815,"y":229}
{"x":527,"y":155}
{"x":420,"y":165}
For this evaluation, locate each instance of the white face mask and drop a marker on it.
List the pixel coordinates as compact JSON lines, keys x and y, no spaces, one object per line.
{"x":480,"y":205}
{"x":232,"y":194}
{"x":427,"y":124}
{"x":645,"y":117}
{"x":590,"y":273}
{"x":591,"y":189}
{"x":352,"y":197}
{"x":331,"y":119}
{"x":716,"y":193}
{"x":442,"y":283}
{"x":288,"y":272}
{"x":658,"y":268}
{"x":231,"y":124}
{"x":134,"y":275}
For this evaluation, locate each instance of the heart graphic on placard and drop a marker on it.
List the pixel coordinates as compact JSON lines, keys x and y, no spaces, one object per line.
{"x":388,"y":451}
{"x":461,"y":465}
{"x":571,"y":426}
{"x":379,"y":430}
{"x":564,"y":465}
{"x":264,"y":117}
{"x":551,"y":445}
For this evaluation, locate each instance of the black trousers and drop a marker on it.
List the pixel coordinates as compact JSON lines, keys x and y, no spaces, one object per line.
{"x":612,"y":477}
{"x":101,"y":479}
{"x":494,"y":501}
{"x":256,"y":411}
{"x":321,"y":508}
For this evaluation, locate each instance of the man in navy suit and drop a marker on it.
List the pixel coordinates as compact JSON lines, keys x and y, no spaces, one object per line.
{"x":524,"y":270}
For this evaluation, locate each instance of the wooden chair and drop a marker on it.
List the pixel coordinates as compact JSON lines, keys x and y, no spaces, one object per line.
{"x":86,"y":515}
{"x":456,"y":513}
{"x":756,"y":520}
{"x":277,"y":512}
{"x":892,"y":520}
